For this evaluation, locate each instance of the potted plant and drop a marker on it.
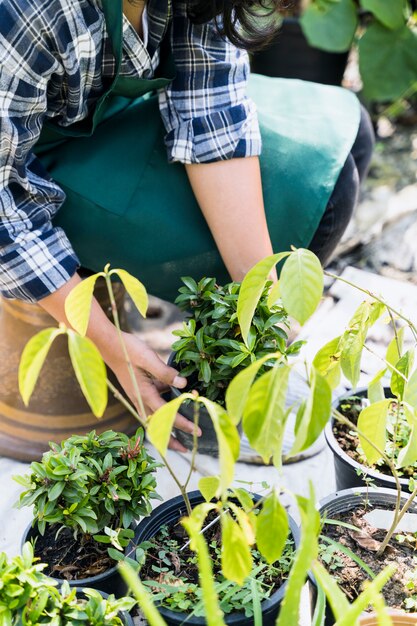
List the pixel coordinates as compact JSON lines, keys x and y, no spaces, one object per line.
{"x":210,"y":350}
{"x":86,"y":494}
{"x":27,"y":596}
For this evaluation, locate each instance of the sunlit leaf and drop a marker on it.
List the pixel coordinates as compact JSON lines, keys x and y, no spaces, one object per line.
{"x":236,"y":556}
{"x":32,"y":359}
{"x":327,"y":362}
{"x":161,"y":423}
{"x":272,"y":516}
{"x":143,"y":596}
{"x":408,"y":455}
{"x":394,"y":350}
{"x":338,"y":602}
{"x":403,"y":366}
{"x":78,"y":304}
{"x":90,"y":371}
{"x":410,"y":390}
{"x":251,"y":290}
{"x":301,"y":283}
{"x":375,"y":388}
{"x":135,"y":289}
{"x":238,"y":389}
{"x":209,"y":486}
{"x":264,"y":415}
{"x":372,"y":422}
{"x":245,"y":522}
{"x":274,"y":294}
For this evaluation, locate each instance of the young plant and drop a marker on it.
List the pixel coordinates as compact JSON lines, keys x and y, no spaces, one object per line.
{"x":210,"y":349}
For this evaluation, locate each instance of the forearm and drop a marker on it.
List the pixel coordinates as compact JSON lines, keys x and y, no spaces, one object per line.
{"x":230,"y":196}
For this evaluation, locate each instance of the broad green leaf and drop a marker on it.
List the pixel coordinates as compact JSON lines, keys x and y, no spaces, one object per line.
{"x":161,"y":423}
{"x":354,"y":610}
{"x":327,"y":362}
{"x":316,"y":415}
{"x":387,"y":61}
{"x":135,"y":289}
{"x":410,"y":390}
{"x":213,"y":613}
{"x":372,"y":422}
{"x":408,"y":455}
{"x":32,"y":359}
{"x":274,"y":294}
{"x":143,"y":596}
{"x":236,"y":556}
{"x":238,"y":389}
{"x":209,"y":486}
{"x":245,"y":522}
{"x":90,"y":371}
{"x":391,"y":14}
{"x":264,"y":414}
{"x":301,"y":282}
{"x":228,"y":440}
{"x":272,"y":516}
{"x":338,"y":602}
{"x":198,"y":517}
{"x":375,"y":388}
{"x":306,"y":553}
{"x":251,"y":290}
{"x":403,"y":366}
{"x":393,"y":353}
{"x":78,"y":304}
{"x":330,"y":26}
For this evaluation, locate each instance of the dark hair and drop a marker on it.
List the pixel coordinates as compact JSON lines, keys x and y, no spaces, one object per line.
{"x":248,"y":24}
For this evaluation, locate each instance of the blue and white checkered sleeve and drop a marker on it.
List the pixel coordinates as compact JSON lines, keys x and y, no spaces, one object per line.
{"x":205,"y":110}
{"x":35,"y":258}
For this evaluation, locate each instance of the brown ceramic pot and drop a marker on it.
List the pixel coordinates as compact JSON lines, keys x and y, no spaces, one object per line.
{"x":57,"y":408}
{"x":400,"y":619}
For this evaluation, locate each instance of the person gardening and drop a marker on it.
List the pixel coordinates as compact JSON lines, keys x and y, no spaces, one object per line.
{"x":131,"y":133}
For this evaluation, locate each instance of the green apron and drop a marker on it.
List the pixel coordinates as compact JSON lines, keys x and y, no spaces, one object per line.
{"x":127,"y":206}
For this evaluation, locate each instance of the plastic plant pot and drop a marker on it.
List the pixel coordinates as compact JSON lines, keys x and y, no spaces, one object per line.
{"x":398,"y":619}
{"x":349,"y":473}
{"x":170,"y":512}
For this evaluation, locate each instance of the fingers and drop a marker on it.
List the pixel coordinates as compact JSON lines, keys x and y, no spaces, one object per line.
{"x":149,"y":361}
{"x":154,"y":401}
{"x":175,"y":445}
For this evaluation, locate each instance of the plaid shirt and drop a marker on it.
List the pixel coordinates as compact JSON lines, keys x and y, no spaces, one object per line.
{"x":55,"y":61}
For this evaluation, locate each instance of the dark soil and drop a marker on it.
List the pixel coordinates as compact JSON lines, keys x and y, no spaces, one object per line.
{"x":349,"y":442}
{"x":350,"y":575}
{"x":71,"y":559}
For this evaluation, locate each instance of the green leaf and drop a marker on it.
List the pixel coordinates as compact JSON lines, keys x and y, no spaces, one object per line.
{"x":90,"y":371}
{"x":408,"y":455}
{"x":236,"y":556}
{"x":238,"y":389}
{"x":320,"y":608}
{"x":301,"y":284}
{"x":56,"y":490}
{"x":387,"y":61}
{"x":410,"y":390}
{"x":338,"y":602}
{"x":135,"y":289}
{"x":372,"y":422}
{"x":272,"y":516}
{"x":327,"y":362}
{"x":264,"y":414}
{"x":316,"y":414}
{"x":251,"y":290}
{"x":161,"y":423}
{"x":209,"y":486}
{"x":141,"y":594}
{"x":330,"y":26}
{"x":391,"y":14}
{"x":32,"y":360}
{"x":274,"y":294}
{"x":403,"y":366}
{"x":78,"y":304}
{"x":375,"y":388}
{"x":393,"y":353}
{"x":228,"y":440}
{"x":306,"y":552}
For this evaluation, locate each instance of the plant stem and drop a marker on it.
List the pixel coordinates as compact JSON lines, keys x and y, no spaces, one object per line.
{"x":394,"y":327}
{"x":125,"y":402}
{"x":412,"y":327}
{"x":386,"y":363}
{"x":123,"y":346}
{"x":181,"y":487}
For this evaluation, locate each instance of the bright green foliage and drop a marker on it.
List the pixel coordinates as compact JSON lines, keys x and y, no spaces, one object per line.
{"x":401,"y":373}
{"x":90,"y":482}
{"x":29,"y":597}
{"x":161,"y":423}
{"x":90,"y":371}
{"x":143,"y":597}
{"x":33,"y":358}
{"x":135,"y":289}
{"x":236,"y":555}
{"x":327,"y":362}
{"x":209,"y":487}
{"x":372,"y":423}
{"x":272,"y":516}
{"x":211,"y":349}
{"x":78,"y":303}
{"x":301,"y":283}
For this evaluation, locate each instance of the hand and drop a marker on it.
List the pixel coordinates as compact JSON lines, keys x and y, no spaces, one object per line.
{"x":152,"y":375}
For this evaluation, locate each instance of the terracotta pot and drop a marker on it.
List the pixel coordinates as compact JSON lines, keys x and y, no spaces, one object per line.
{"x":403,"y":619}
{"x":57,"y":408}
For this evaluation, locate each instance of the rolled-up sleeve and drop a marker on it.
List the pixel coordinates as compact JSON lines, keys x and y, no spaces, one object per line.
{"x":35,"y":257}
{"x":206,"y":112}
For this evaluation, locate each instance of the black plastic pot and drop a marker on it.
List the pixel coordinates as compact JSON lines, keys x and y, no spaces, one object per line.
{"x":172,"y":511}
{"x":351,"y":499}
{"x":346,"y":468}
{"x":109,"y":582}
{"x":291,"y":56}
{"x":207,"y":443}
{"x":124,"y":616}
